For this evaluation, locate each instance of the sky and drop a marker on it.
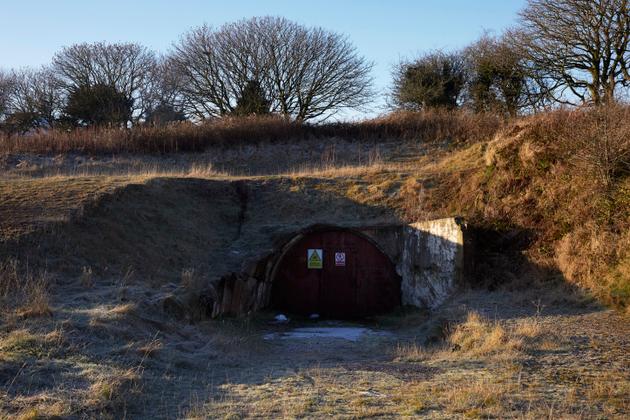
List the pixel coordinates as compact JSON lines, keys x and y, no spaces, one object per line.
{"x":383,"y":31}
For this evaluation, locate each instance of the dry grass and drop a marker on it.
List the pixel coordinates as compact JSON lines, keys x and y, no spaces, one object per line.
{"x":612,"y":389}
{"x":334,"y":393}
{"x":479,"y":398}
{"x":441,"y":126}
{"x":488,"y":375}
{"x":524,"y":179}
{"x":311,"y":393}
{"x":530,"y":178}
{"x":23,"y":292}
{"x":22,"y":343}
{"x":43,"y":406}
{"x":458,"y":379}
{"x":109,"y":395}
{"x":480,"y":338}
{"x":537,"y":178}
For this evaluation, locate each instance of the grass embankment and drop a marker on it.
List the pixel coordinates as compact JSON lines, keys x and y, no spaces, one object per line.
{"x":553,"y":189}
{"x":535,"y":188}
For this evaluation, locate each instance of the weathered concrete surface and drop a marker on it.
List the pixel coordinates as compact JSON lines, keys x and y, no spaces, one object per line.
{"x":431,"y":262}
{"x":429,"y":257}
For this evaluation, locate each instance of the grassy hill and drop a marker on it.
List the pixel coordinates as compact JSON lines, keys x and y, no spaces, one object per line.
{"x":543,"y":181}
{"x":96,"y":226}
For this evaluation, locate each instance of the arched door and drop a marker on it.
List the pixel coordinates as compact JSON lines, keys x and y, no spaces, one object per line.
{"x":335,"y":273}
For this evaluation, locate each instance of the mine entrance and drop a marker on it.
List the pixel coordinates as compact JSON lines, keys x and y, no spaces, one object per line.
{"x":335,"y":273}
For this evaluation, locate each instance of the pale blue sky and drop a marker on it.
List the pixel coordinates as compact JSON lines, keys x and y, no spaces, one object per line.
{"x":383,"y":31}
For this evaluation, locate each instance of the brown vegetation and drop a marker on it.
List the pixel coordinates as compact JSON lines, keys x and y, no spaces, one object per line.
{"x":484,"y":368}
{"x":527,"y":185}
{"x":23,"y":292}
{"x":558,"y":185}
{"x":551,"y":190}
{"x":441,"y":126}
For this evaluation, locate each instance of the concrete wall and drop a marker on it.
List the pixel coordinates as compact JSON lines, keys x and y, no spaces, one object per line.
{"x":431,"y":262}
{"x":429,"y":258}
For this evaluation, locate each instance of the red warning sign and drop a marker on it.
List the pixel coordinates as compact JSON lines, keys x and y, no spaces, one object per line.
{"x":340,"y":259}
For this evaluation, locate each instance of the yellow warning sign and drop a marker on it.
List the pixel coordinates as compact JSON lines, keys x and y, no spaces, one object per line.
{"x":314,"y":258}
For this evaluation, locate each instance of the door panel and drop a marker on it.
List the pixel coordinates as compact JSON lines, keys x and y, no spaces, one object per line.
{"x":366,"y":285}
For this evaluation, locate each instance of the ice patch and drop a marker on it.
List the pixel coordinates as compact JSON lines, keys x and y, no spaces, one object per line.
{"x":307,"y":333}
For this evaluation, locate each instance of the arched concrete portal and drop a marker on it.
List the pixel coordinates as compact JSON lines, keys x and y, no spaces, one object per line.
{"x":334,"y":272}
{"x":423,"y":261}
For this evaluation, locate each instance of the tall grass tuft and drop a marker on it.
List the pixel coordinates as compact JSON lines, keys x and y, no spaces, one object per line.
{"x":23,"y":292}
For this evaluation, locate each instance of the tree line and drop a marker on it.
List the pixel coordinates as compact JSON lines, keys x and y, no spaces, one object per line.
{"x":571,"y":52}
{"x":561,"y":52}
{"x":255,"y":66}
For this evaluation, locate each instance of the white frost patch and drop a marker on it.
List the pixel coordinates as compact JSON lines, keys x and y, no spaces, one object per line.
{"x":307,"y":333}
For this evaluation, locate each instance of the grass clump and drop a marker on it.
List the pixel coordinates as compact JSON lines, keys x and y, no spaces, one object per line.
{"x":21,"y":344}
{"x":23,"y":293}
{"x":478,"y":337}
{"x":110,"y":395}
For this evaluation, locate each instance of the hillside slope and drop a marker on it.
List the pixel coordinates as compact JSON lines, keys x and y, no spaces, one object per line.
{"x":538,"y":187}
{"x":530,"y":191}
{"x":158,"y":227}
{"x":85,"y":260}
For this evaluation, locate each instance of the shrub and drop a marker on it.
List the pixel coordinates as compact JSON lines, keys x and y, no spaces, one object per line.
{"x":435,"y":80}
{"x":98,"y":105}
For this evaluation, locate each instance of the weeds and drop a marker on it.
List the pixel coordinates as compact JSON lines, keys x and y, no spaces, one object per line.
{"x":479,"y":337}
{"x":23,"y":292}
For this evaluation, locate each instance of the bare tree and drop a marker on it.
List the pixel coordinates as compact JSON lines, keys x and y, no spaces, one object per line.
{"x":6,"y":87}
{"x":313,"y":72}
{"x":306,"y":73}
{"x":36,"y":95}
{"x":579,"y":47}
{"x":124,"y":66}
{"x":162,"y":96}
{"x":209,"y":85}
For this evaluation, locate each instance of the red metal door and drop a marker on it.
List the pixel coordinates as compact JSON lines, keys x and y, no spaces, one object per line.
{"x":295,"y":287}
{"x":338,"y":287}
{"x":362,"y":283}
